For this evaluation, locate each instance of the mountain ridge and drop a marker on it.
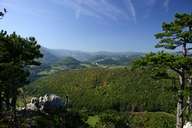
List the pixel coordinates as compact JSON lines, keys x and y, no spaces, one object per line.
{"x":84,"y":56}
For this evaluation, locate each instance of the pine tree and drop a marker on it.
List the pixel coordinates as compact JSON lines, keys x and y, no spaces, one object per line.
{"x":176,"y":36}
{"x":2,"y":13}
{"x":17,"y":54}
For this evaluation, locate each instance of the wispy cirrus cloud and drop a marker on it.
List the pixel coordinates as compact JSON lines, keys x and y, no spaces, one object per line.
{"x":150,"y":4}
{"x":103,"y":9}
{"x":166,"y":4}
{"x":131,"y":9}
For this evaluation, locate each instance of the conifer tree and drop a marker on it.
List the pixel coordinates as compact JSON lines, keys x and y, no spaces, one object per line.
{"x":17,"y":54}
{"x":2,"y":13}
{"x":176,"y":36}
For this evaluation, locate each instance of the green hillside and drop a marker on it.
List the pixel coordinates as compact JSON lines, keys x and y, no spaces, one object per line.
{"x":69,"y":61}
{"x":99,"y":89}
{"x":116,"y":60}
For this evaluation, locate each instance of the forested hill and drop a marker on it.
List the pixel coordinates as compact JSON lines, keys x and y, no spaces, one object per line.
{"x":102,"y":89}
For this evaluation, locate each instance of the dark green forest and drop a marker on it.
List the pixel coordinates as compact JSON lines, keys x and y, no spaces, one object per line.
{"x":97,"y":90}
{"x":114,"y":95}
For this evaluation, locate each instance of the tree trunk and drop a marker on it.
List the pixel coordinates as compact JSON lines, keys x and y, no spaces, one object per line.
{"x":13,"y":103}
{"x":7,"y":102}
{"x":180,"y":104}
{"x":190,"y":96}
{"x":190,"y":87}
{"x":1,"y":102}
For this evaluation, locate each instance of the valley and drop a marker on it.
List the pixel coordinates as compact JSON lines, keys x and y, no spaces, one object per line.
{"x":55,"y":60}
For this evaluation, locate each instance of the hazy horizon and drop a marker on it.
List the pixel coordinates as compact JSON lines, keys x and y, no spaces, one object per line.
{"x":86,"y":51}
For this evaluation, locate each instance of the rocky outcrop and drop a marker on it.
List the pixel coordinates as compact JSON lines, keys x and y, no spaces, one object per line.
{"x":188,"y":125}
{"x":34,"y":104}
{"x":47,"y":103}
{"x":51,"y":103}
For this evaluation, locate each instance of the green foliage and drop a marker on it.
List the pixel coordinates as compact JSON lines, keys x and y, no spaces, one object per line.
{"x":176,"y":33}
{"x":67,"y":119}
{"x":96,"y":90}
{"x":93,"y":120}
{"x":162,"y":61}
{"x":75,"y":120}
{"x":17,"y":54}
{"x":113,"y":120}
{"x":134,"y":120}
{"x":152,"y":120}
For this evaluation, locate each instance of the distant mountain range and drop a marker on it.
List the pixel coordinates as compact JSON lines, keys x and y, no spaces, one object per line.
{"x":53,"y":55}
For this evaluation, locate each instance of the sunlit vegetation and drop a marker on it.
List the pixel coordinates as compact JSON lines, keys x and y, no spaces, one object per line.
{"x":101,"y":89}
{"x":94,"y":91}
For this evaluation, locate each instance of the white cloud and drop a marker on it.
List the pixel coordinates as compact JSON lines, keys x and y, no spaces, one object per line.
{"x":166,"y":4}
{"x":132,"y":9}
{"x":150,"y":4}
{"x":104,"y":9}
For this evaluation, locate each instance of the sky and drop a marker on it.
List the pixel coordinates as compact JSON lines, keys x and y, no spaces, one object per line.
{"x":91,"y":25}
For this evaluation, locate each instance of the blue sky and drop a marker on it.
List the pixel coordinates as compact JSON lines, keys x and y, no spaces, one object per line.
{"x":91,"y":25}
